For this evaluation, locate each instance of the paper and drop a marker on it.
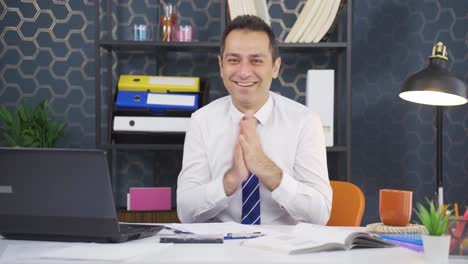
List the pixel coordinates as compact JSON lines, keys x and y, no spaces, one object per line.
{"x":219,"y":228}
{"x":106,"y":252}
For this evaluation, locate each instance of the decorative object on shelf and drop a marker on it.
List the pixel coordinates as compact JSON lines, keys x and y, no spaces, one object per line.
{"x":435,"y":85}
{"x":437,"y":242}
{"x":30,"y":126}
{"x":249,"y":7}
{"x":314,"y":21}
{"x":142,"y":32}
{"x":168,"y":22}
{"x":320,"y":90}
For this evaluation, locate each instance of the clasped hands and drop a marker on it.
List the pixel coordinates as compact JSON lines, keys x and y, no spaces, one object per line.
{"x":249,"y":157}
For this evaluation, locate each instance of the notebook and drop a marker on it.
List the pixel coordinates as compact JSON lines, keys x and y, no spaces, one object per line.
{"x":60,"y":195}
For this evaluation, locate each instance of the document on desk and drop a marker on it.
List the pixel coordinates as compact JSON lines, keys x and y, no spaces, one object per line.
{"x":218,"y":229}
{"x":105,"y":252}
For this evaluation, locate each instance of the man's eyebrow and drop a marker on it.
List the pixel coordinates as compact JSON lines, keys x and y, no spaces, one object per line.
{"x":255,"y":55}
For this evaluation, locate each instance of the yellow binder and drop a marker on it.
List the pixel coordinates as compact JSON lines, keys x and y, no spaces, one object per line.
{"x":158,"y":83}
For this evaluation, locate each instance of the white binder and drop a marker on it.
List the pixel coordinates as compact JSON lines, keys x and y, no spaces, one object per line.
{"x":319,"y":97}
{"x":151,"y":124}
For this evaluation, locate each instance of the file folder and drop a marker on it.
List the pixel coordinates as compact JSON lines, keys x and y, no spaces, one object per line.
{"x":320,"y":98}
{"x":150,"y":124}
{"x":156,"y":102}
{"x":158,"y":83}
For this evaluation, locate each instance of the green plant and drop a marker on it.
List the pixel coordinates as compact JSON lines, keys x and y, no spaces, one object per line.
{"x":29,"y":126}
{"x":434,"y":219}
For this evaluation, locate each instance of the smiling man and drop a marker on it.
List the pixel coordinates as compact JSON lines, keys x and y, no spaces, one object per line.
{"x":253,"y":157}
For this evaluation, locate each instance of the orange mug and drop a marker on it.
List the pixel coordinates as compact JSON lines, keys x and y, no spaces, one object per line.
{"x":395,"y":207}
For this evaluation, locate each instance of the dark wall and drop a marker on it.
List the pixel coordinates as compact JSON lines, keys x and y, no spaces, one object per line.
{"x":392,"y":139}
{"x":46,"y":52}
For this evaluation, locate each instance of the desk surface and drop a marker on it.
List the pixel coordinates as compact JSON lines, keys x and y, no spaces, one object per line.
{"x":229,"y":252}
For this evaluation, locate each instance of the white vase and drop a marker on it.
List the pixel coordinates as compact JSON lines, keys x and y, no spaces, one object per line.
{"x":436,"y":248}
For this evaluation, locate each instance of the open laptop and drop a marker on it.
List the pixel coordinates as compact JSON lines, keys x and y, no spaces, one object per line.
{"x":60,"y":195}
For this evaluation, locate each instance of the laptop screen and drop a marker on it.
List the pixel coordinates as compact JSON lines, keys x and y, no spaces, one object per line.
{"x":56,"y":191}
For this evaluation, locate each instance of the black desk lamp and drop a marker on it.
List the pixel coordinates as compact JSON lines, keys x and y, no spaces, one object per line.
{"x":435,"y":85}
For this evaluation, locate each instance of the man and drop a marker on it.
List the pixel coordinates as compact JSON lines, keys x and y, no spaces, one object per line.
{"x":253,"y":157}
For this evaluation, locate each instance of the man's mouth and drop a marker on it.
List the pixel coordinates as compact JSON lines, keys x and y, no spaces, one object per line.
{"x":245,"y":84}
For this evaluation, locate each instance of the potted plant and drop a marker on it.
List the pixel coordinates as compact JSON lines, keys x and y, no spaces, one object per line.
{"x":437,"y":241}
{"x":29,"y":126}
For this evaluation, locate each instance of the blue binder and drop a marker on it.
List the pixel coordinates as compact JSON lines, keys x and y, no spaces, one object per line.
{"x":156,"y":102}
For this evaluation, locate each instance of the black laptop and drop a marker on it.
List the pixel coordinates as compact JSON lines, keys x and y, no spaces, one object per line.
{"x":60,"y":195}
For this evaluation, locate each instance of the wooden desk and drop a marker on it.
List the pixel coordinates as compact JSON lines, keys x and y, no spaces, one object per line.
{"x":148,"y":216}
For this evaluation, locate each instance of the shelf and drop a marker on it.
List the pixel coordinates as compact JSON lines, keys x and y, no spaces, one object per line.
{"x":144,"y":146}
{"x":336,"y":149}
{"x":307,"y":46}
{"x":129,"y":45}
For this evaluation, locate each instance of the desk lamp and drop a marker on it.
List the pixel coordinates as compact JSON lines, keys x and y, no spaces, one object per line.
{"x":435,"y":85}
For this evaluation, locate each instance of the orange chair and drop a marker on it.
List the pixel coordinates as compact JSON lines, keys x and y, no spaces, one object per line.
{"x":348,"y":204}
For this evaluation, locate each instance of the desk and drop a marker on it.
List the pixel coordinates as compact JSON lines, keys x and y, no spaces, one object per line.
{"x":229,"y":252}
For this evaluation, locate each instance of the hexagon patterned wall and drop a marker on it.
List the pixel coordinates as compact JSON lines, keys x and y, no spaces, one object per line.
{"x":46,"y":52}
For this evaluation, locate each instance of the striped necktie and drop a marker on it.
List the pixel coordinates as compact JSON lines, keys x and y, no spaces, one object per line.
{"x":251,"y":201}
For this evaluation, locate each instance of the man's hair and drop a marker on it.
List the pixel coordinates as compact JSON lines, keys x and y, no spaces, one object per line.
{"x":251,"y":23}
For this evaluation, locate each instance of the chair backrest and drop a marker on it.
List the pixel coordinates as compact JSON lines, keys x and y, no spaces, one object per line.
{"x":348,"y":204}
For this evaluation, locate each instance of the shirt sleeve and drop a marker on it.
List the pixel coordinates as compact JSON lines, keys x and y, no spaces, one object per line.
{"x":199,"y":196}
{"x":307,"y":194}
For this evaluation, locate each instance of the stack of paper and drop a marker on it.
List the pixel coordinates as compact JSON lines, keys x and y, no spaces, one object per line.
{"x":249,"y":7}
{"x":314,"y":21}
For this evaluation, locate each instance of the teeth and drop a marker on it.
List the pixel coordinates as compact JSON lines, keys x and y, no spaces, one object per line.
{"x":245,"y":84}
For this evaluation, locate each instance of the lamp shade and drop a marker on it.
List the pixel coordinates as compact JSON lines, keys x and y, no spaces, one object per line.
{"x":435,"y":85}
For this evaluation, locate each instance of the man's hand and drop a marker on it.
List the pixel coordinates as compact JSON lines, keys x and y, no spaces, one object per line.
{"x":238,"y":172}
{"x":255,"y":159}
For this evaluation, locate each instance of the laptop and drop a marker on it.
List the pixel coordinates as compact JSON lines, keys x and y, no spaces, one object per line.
{"x":60,"y":195}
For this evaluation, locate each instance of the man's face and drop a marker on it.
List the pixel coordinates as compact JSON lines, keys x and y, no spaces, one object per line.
{"x":247,"y":68}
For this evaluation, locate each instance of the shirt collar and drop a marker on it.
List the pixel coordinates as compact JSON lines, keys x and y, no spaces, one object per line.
{"x":261,"y":115}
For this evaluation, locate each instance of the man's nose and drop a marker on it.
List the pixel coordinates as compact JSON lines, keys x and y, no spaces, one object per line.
{"x":245,"y":69}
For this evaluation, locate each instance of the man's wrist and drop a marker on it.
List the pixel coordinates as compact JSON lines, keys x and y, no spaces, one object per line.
{"x":270,"y":174}
{"x":230,"y":183}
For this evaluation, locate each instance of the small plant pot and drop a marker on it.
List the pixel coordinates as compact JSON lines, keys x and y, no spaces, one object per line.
{"x":436,"y":248}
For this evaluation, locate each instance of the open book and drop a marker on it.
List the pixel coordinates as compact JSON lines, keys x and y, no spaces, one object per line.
{"x":308,"y":238}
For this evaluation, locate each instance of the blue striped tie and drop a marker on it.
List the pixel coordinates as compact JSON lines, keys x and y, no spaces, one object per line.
{"x":251,"y":201}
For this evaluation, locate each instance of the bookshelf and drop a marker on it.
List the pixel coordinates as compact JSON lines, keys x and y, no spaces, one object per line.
{"x":109,"y":47}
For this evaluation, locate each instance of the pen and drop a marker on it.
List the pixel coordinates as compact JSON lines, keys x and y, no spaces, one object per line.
{"x":243,"y":235}
{"x":455,"y":207}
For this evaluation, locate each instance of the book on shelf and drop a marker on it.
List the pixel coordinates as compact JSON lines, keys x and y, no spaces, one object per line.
{"x":150,"y":124}
{"x":309,"y":238}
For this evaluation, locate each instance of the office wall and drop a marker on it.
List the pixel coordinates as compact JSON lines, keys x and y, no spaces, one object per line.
{"x":393,"y":140}
{"x":46,"y":52}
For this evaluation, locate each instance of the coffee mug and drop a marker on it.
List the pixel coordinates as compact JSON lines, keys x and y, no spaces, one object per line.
{"x":395,"y":207}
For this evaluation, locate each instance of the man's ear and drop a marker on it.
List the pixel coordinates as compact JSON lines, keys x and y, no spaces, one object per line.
{"x":276,"y":67}
{"x":220,"y":63}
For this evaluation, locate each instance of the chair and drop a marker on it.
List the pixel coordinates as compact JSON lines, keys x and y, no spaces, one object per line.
{"x":347,"y":205}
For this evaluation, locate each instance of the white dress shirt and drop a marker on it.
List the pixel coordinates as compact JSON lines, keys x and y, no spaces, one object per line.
{"x":291,"y":136}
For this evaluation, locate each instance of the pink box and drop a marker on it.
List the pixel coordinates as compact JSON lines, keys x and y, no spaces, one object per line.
{"x":149,"y":199}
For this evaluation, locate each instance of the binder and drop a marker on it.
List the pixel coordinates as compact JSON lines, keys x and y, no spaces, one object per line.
{"x":158,"y":83}
{"x":156,"y":102}
{"x":150,"y":124}
{"x":320,"y":98}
